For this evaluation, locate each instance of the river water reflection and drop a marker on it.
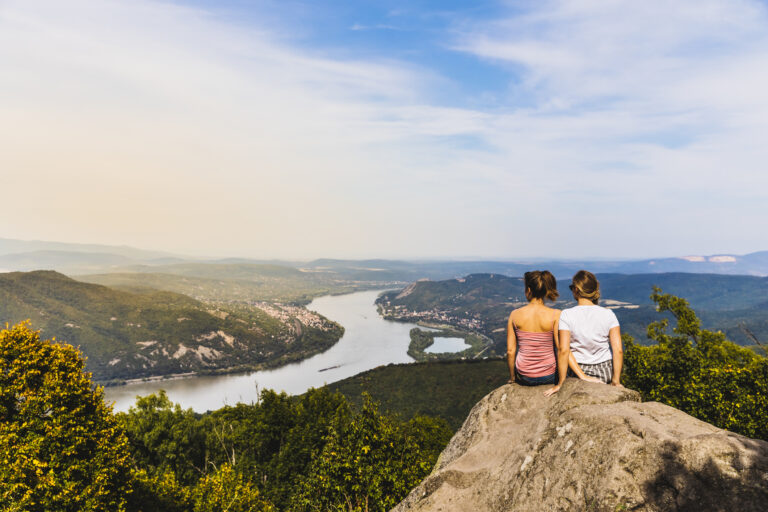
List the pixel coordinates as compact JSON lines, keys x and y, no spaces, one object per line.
{"x":444,"y":344}
{"x":369,"y":341}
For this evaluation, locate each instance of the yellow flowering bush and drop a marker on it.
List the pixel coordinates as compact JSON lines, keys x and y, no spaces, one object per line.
{"x":60,"y":446}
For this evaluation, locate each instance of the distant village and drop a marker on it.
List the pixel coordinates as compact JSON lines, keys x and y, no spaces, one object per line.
{"x":435,"y":315}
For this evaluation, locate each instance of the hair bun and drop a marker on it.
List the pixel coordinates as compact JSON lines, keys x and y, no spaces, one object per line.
{"x":540,"y":284}
{"x":586,"y":286}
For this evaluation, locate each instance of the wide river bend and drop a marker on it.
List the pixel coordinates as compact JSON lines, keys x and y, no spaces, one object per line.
{"x":369,"y":341}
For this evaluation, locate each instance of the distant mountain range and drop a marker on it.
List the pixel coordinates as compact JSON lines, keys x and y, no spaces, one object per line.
{"x":13,"y":246}
{"x":78,"y":259}
{"x":751,"y":264}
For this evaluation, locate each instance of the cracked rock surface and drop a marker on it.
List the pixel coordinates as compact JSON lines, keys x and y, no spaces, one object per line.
{"x":591,"y":447}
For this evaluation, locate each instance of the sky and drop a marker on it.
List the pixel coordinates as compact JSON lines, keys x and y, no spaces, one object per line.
{"x":396,"y":129}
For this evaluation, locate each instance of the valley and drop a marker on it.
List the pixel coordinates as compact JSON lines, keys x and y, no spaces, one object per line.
{"x":146,"y":314}
{"x":147,"y":332}
{"x":737,"y":305}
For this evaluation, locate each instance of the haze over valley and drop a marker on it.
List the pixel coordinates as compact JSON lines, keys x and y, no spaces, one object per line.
{"x":141,"y":313}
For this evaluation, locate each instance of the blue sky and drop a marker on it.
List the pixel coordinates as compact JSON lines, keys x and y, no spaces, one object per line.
{"x":419,"y":33}
{"x":494,"y":129}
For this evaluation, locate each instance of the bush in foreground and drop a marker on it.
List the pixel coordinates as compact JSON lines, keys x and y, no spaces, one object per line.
{"x":312,"y":452}
{"x":370,"y":462}
{"x":60,"y":446}
{"x":699,"y":372}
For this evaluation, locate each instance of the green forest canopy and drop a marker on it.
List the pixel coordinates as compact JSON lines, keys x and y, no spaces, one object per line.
{"x":315,"y":451}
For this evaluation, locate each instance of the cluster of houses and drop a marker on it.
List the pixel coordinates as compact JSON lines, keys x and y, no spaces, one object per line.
{"x":437,"y":316}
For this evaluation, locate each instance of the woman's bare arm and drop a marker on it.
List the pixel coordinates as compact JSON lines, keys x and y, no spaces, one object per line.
{"x":563,"y":354}
{"x":614,"y":336}
{"x":565,"y":337}
{"x":511,"y":348}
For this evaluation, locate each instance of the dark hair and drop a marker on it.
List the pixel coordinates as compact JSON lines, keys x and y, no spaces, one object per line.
{"x":540,"y":284}
{"x":586,"y":286}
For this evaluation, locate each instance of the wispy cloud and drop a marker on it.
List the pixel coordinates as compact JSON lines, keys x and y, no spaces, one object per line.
{"x":378,"y":26}
{"x":650,"y":113}
{"x":173,"y":124}
{"x":625,"y":128}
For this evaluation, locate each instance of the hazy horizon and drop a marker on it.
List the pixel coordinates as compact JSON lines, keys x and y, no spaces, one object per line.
{"x":414,"y":259}
{"x":402,"y":130}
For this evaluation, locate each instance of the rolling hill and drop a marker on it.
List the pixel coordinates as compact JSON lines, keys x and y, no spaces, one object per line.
{"x":233,"y":281}
{"x":483,"y":302}
{"x":146,"y":332}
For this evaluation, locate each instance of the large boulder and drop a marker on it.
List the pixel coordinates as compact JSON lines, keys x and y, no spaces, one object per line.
{"x":591,"y":447}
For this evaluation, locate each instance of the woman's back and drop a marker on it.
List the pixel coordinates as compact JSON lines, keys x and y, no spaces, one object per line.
{"x":535,"y":318}
{"x":534,"y":327}
{"x":590,"y":327}
{"x":532,"y":336}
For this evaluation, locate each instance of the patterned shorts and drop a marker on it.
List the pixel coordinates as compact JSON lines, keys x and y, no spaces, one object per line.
{"x":603,"y":371}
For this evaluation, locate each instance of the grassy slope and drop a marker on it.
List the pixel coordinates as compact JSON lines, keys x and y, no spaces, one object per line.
{"x":139,"y":333}
{"x":446,"y":389}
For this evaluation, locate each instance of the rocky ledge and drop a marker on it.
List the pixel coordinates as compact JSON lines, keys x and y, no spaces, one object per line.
{"x":591,"y":447}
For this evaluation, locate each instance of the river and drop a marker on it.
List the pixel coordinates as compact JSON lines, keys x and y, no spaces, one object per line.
{"x":369,"y":341}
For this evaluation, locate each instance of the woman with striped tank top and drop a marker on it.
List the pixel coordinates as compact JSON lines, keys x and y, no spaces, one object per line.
{"x":534,"y":353}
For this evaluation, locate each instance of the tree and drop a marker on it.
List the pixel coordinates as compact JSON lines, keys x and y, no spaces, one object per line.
{"x":60,"y":446}
{"x":227,"y":490}
{"x":164,"y":437}
{"x":700,"y":372}
{"x":370,"y":463}
{"x":159,"y":491}
{"x":273,"y":442}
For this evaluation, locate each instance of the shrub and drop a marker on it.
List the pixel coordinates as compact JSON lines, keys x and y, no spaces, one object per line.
{"x":228,"y":490}
{"x":371,"y":462}
{"x":60,"y":446}
{"x":699,"y":371}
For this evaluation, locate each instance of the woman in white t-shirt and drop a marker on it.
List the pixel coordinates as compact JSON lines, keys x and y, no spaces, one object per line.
{"x":594,"y":333}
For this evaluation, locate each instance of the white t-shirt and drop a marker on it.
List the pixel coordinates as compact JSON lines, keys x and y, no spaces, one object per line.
{"x":589,"y":326}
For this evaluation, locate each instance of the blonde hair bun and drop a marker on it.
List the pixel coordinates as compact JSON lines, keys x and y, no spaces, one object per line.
{"x":586,"y":286}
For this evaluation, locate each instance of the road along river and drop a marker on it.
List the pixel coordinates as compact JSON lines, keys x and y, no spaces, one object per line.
{"x":369,"y":341}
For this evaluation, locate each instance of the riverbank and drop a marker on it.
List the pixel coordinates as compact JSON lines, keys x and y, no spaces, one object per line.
{"x":248,"y":368}
{"x":368,"y":342}
{"x":284,"y":360}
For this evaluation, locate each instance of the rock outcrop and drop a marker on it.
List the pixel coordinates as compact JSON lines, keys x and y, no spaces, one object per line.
{"x":591,"y":447}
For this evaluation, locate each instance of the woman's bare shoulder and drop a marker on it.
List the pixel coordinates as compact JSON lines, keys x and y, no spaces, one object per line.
{"x":515,"y":313}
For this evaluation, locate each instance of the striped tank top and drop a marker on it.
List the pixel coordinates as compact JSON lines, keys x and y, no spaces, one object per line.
{"x":535,"y":353}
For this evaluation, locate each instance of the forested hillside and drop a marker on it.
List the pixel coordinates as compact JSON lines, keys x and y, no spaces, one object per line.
{"x":149,"y":332}
{"x":315,"y":451}
{"x":484,"y":301}
{"x":443,"y":389}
